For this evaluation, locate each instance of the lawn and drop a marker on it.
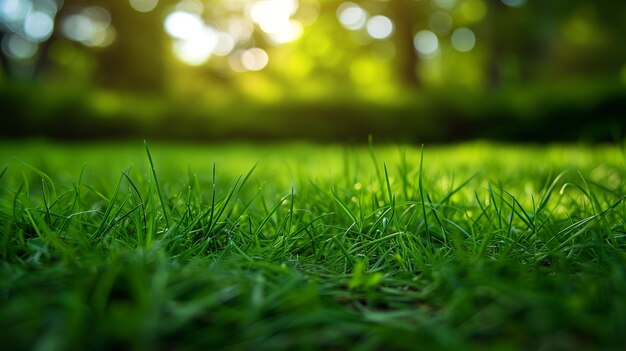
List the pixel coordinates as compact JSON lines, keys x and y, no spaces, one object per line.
{"x":299,"y":246}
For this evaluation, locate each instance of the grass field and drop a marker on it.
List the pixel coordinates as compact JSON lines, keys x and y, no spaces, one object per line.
{"x":297,"y":246}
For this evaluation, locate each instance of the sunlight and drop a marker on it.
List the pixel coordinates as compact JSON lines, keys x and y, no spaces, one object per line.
{"x":183,"y":25}
{"x":198,"y":38}
{"x":292,"y":32}
{"x":270,"y":16}
{"x":195,"y":41}
{"x":273,"y":16}
{"x":198,"y":48}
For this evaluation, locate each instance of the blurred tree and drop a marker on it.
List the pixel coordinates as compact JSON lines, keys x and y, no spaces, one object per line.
{"x":407,"y":13}
{"x":135,"y":60}
{"x":279,"y":44}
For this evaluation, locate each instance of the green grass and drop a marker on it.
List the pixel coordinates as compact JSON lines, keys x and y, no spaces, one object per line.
{"x":477,"y":246}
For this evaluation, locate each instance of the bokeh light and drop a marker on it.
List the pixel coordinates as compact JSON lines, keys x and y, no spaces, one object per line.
{"x":271,"y":16}
{"x":198,"y":48}
{"x":292,"y":32}
{"x":351,"y":16}
{"x":16,"y":47}
{"x":426,"y":43}
{"x":77,"y":27}
{"x":91,"y":26}
{"x":379,"y":27}
{"x":38,"y":26}
{"x":308,"y":12}
{"x":446,"y":4}
{"x":274,"y":18}
{"x":225,"y":44}
{"x":290,"y":5}
{"x":234,"y":61}
{"x":143,"y":5}
{"x":514,"y":3}
{"x":24,"y":24}
{"x":197,"y":39}
{"x":240,"y":29}
{"x":194,"y":40}
{"x":254,"y":59}
{"x":183,"y":25}
{"x":190,"y":6}
{"x":463,"y":39}
{"x":47,"y":6}
{"x":13,"y":11}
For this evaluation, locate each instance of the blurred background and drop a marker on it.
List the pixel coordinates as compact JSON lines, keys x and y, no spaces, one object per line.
{"x":322,"y":70}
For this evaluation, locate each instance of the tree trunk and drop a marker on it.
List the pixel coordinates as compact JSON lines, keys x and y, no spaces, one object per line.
{"x":405,"y":14}
{"x":135,"y":60}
